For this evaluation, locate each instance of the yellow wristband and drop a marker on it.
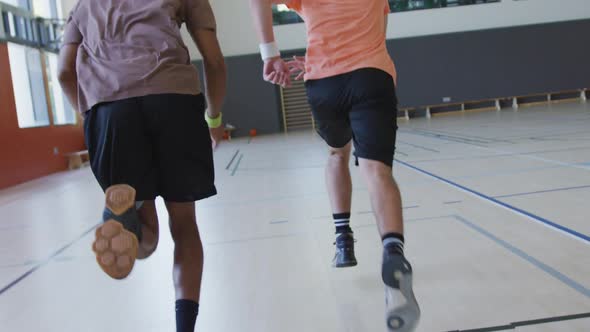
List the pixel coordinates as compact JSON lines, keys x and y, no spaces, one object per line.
{"x":213,"y":123}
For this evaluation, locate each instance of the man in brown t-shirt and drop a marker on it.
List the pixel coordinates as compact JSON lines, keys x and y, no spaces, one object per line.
{"x":124,"y":66}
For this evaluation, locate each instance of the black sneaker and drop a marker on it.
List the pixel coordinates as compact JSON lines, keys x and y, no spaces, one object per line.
{"x":402,"y":310}
{"x":344,"y":251}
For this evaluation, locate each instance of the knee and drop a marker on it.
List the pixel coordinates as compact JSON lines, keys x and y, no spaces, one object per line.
{"x":376,"y":170}
{"x":339,"y":157}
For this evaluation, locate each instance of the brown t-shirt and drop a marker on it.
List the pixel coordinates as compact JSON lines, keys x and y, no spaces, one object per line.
{"x":132,"y":48}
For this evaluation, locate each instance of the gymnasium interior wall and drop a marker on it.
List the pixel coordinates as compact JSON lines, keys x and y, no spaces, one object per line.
{"x":504,"y":49}
{"x":29,"y":153}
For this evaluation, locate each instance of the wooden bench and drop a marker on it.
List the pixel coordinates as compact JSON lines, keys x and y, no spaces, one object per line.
{"x":77,"y":159}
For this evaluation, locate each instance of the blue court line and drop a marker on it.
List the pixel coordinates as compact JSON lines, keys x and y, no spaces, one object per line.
{"x":279,"y":222}
{"x":452,"y":202}
{"x":402,"y":153}
{"x":518,"y":252}
{"x":515,"y":325}
{"x":539,"y":219}
{"x":257,"y":238}
{"x":448,"y":138}
{"x":237,"y":165}
{"x":542,"y":191}
{"x":9,"y":266}
{"x":418,"y":146}
{"x":232,"y":159}
{"x":47,"y":260}
{"x":403,"y":208}
{"x":546,"y":268}
{"x":408,"y":220}
{"x":502,"y":155}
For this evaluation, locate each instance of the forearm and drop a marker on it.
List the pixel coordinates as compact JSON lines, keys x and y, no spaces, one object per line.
{"x":69,"y":85}
{"x":262,"y":15}
{"x":215,"y":86}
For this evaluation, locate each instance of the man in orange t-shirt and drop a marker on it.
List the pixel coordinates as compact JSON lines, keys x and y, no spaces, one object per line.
{"x":350,"y":81}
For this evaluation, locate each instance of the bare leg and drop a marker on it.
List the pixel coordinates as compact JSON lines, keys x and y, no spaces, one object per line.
{"x":338,"y":181}
{"x":188,"y":251}
{"x":403,"y":312}
{"x":149,"y":229}
{"x":385,"y":196}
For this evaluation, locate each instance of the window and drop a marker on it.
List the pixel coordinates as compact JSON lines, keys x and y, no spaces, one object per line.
{"x":63,"y":113}
{"x":406,"y":5}
{"x":46,"y":8}
{"x":282,"y":14}
{"x":28,"y":85}
{"x":24,"y":4}
{"x":39,"y":8}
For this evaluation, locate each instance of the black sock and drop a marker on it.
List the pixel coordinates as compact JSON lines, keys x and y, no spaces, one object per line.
{"x":394,"y":241}
{"x":342,"y":222}
{"x":186,"y":315}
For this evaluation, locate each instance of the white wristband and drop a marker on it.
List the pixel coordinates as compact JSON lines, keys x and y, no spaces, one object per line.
{"x":269,"y":50}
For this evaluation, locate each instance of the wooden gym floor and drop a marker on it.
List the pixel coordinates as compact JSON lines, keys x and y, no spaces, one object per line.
{"x":497,"y":209}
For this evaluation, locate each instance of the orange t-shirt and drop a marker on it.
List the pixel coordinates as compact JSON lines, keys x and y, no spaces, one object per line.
{"x":344,"y":35}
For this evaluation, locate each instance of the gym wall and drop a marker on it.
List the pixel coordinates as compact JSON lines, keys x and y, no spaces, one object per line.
{"x":466,"y":53}
{"x":28,"y":153}
{"x":465,"y":66}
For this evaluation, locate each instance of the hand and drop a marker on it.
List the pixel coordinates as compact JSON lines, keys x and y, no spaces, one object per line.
{"x":216,"y":133}
{"x":297,"y":66}
{"x":276,"y":71}
{"x":216,"y":136}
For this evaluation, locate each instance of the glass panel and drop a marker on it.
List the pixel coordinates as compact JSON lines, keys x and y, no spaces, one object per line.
{"x":63,"y":113}
{"x":42,"y":8}
{"x":27,"y":83}
{"x":282,"y":15}
{"x":37,"y":86}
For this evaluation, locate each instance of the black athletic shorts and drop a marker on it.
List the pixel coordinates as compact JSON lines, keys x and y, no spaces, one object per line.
{"x":158,"y":144}
{"x":359,"y":106}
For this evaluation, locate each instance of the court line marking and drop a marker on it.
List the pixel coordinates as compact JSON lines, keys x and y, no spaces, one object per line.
{"x":46,"y":261}
{"x":418,"y":146}
{"x":279,"y":222}
{"x":507,"y":246}
{"x":232,"y":159}
{"x":528,"y":156}
{"x":403,"y":208}
{"x":508,"y":154}
{"x":257,"y":238}
{"x":540,"y":220}
{"x":442,"y":137}
{"x":513,"y":326}
{"x":401,"y":152}
{"x":237,"y":165}
{"x":542,"y":191}
{"x":520,"y":253}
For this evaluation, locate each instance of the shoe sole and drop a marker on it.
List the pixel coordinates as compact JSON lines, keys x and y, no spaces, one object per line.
{"x":350,"y":264}
{"x":114,"y":246}
{"x":403,"y":318}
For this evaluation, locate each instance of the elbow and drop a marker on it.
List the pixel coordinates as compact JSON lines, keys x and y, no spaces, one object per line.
{"x":65,"y":76}
{"x":216,"y":65}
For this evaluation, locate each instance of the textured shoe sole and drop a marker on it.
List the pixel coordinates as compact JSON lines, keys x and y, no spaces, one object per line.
{"x":403,"y":318}
{"x":343,"y":265}
{"x":115,"y":249}
{"x":114,"y":246}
